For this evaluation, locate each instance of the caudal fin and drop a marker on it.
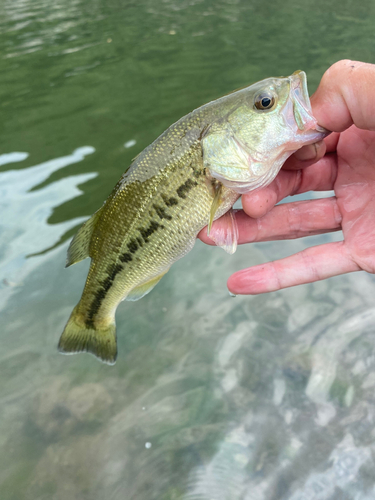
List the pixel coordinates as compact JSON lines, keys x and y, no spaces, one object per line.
{"x":99,"y":342}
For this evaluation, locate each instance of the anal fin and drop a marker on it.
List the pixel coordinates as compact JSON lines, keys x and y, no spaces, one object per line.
{"x":140,"y":291}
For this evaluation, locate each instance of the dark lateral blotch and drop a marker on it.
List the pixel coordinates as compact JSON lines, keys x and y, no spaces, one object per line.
{"x":113,"y":270}
{"x":107,"y":283}
{"x":170,"y":202}
{"x":161,"y":212}
{"x":126,"y":257}
{"x":94,"y":308}
{"x":185,"y":188}
{"x":133,"y":245}
{"x":147,"y":232}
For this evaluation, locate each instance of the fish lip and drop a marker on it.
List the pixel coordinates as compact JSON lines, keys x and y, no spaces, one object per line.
{"x":299,"y":80}
{"x":297,"y":112}
{"x":299,"y":95}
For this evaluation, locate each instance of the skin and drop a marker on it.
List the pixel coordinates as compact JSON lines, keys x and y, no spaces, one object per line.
{"x":345,"y":163}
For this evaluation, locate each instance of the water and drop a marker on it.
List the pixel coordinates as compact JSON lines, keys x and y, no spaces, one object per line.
{"x":212,"y":397}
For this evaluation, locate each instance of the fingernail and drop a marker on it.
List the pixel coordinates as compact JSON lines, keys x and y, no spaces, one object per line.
{"x":306,"y":153}
{"x":232,"y":294}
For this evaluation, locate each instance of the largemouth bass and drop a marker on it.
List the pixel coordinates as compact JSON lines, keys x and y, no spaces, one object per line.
{"x":188,"y":177}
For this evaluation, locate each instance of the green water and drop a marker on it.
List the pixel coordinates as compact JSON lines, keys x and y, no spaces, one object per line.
{"x":212,"y":398}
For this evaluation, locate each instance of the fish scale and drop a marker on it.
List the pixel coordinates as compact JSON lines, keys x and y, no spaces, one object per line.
{"x":150,"y":259}
{"x":191,"y":175}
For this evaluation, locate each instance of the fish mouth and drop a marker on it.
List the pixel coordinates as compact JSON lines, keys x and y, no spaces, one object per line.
{"x":298,"y":112}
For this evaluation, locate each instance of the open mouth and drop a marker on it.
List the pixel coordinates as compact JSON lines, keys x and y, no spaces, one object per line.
{"x":301,"y":102}
{"x":298,"y":113}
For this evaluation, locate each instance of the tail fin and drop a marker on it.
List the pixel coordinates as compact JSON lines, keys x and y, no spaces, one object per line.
{"x":99,"y":342}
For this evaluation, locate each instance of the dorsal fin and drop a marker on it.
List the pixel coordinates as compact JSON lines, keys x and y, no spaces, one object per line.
{"x":80,"y":244}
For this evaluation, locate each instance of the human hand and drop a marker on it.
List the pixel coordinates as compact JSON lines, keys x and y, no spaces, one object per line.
{"x":345,"y":162}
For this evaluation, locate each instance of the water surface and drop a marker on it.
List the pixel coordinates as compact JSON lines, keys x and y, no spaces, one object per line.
{"x":212,"y":398}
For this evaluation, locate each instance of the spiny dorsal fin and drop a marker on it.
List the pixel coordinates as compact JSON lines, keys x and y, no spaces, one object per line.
{"x":80,"y":244}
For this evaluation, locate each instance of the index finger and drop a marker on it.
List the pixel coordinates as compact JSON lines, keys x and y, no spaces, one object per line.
{"x":318,"y":177}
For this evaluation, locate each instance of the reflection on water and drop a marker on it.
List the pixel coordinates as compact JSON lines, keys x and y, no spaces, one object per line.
{"x":212,"y":398}
{"x":41,"y":22}
{"x":25,"y":211}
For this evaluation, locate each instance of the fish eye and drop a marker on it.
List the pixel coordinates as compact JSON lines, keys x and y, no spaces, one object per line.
{"x":264,"y":101}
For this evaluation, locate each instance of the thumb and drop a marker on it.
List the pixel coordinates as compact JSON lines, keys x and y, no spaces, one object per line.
{"x":346,"y":95}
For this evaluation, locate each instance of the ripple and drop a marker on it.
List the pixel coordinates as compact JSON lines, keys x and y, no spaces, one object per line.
{"x":25,"y":210}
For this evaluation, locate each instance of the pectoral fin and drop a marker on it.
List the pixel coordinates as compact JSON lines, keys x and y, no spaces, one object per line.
{"x":225,"y":232}
{"x":140,"y":291}
{"x":216,"y":202}
{"x":80,"y":245}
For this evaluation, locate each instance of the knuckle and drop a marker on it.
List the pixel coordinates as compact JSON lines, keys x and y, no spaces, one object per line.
{"x":310,"y":266}
{"x":339,"y":66}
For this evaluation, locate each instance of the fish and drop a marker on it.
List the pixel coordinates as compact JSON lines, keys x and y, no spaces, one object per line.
{"x":191,"y":175}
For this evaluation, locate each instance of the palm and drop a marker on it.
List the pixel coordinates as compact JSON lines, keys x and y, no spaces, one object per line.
{"x":355,"y":193}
